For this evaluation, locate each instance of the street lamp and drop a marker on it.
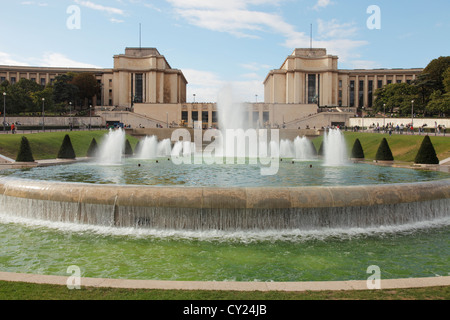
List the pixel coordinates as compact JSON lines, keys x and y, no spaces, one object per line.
{"x":256,"y":98}
{"x":412,"y":112}
{"x":384,"y":118}
{"x":43,"y":114}
{"x":194,"y":97}
{"x":4,"y":111}
{"x":362,"y":114}
{"x":167,"y":119}
{"x":70,"y":116}
{"x":90,"y":117}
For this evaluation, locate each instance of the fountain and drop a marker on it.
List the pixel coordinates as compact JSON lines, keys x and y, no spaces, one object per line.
{"x":111,"y":150}
{"x":223,"y":203}
{"x":151,"y":148}
{"x":335,"y":150}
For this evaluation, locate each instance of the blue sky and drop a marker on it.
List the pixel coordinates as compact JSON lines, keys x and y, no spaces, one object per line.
{"x":217,"y":42}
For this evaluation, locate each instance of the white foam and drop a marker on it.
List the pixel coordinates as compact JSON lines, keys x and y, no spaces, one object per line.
{"x":230,"y":236}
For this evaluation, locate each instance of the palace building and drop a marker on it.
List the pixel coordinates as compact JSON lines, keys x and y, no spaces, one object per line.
{"x":308,"y":82}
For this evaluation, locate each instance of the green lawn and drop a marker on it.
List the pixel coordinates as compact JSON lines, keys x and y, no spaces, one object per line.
{"x":26,"y":291}
{"x":46,"y":145}
{"x":403,"y":147}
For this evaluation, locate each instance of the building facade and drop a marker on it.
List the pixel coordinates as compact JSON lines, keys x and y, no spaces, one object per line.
{"x":311,"y":76}
{"x":142,"y":81}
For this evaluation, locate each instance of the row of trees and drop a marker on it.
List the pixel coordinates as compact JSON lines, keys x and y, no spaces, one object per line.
{"x":430,"y":92}
{"x":25,"y":96}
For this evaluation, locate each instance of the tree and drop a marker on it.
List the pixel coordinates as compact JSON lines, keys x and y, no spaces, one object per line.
{"x":434,"y":71}
{"x":66,"y":151}
{"x":357,"y":151}
{"x":384,"y":152}
{"x":439,"y":103}
{"x":397,"y":97}
{"x":426,"y":153}
{"x":87,"y":86}
{"x":47,"y":94}
{"x":64,"y":90}
{"x":25,"y":154}
{"x":446,"y":80}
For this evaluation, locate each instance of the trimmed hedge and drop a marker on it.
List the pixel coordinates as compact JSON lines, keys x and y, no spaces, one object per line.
{"x":128,"y":149}
{"x":93,"y":147}
{"x":25,"y":154}
{"x":357,"y":151}
{"x":426,"y":153}
{"x":66,"y":151}
{"x":384,"y":153}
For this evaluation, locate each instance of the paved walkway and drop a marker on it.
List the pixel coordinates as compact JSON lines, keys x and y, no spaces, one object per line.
{"x":227,"y":286}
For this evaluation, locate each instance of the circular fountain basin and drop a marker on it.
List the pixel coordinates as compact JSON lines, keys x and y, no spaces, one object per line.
{"x":239,"y":206}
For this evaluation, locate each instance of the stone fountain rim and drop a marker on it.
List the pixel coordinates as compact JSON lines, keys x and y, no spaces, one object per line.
{"x":226,"y":197}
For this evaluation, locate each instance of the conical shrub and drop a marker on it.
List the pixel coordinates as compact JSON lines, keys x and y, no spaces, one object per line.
{"x":137,"y":149}
{"x":128,"y":148}
{"x":320,"y":153}
{"x":357,"y":151}
{"x":426,"y":153}
{"x":25,"y":154}
{"x":93,"y":147}
{"x":313,"y":147}
{"x":66,"y":151}
{"x":384,"y":153}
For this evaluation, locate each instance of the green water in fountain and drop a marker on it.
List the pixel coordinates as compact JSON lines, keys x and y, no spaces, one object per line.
{"x":422,"y":250}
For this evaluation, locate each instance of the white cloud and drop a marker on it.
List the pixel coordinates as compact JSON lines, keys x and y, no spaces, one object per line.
{"x":7,"y":60}
{"x":254,"y":66}
{"x":94,"y":6}
{"x":232,"y":16}
{"x":207,"y":86}
{"x":53,"y":59}
{"x":322,"y":4}
{"x":114,"y":20}
{"x":335,"y":30}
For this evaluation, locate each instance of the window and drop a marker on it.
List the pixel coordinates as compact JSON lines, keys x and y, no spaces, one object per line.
{"x":340,"y":83}
{"x":370,"y":93}
{"x":312,"y":88}
{"x":2,"y":79}
{"x":205,"y":116}
{"x":33,"y":79}
{"x":352,"y":93}
{"x":361,"y":93}
{"x":380,"y":84}
{"x":214,"y":117}
{"x":408,"y":81}
{"x":13,"y":80}
{"x":389,"y":81}
{"x":399,"y":81}
{"x":43,"y":82}
{"x":139,"y":88}
{"x":184,"y":116}
{"x":194,"y":116}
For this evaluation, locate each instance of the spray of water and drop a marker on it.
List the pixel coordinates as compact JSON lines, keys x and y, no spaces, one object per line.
{"x":112,"y":148}
{"x":335,"y":149}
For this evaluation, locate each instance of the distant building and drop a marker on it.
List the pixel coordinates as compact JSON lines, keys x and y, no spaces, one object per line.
{"x":309,"y":81}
